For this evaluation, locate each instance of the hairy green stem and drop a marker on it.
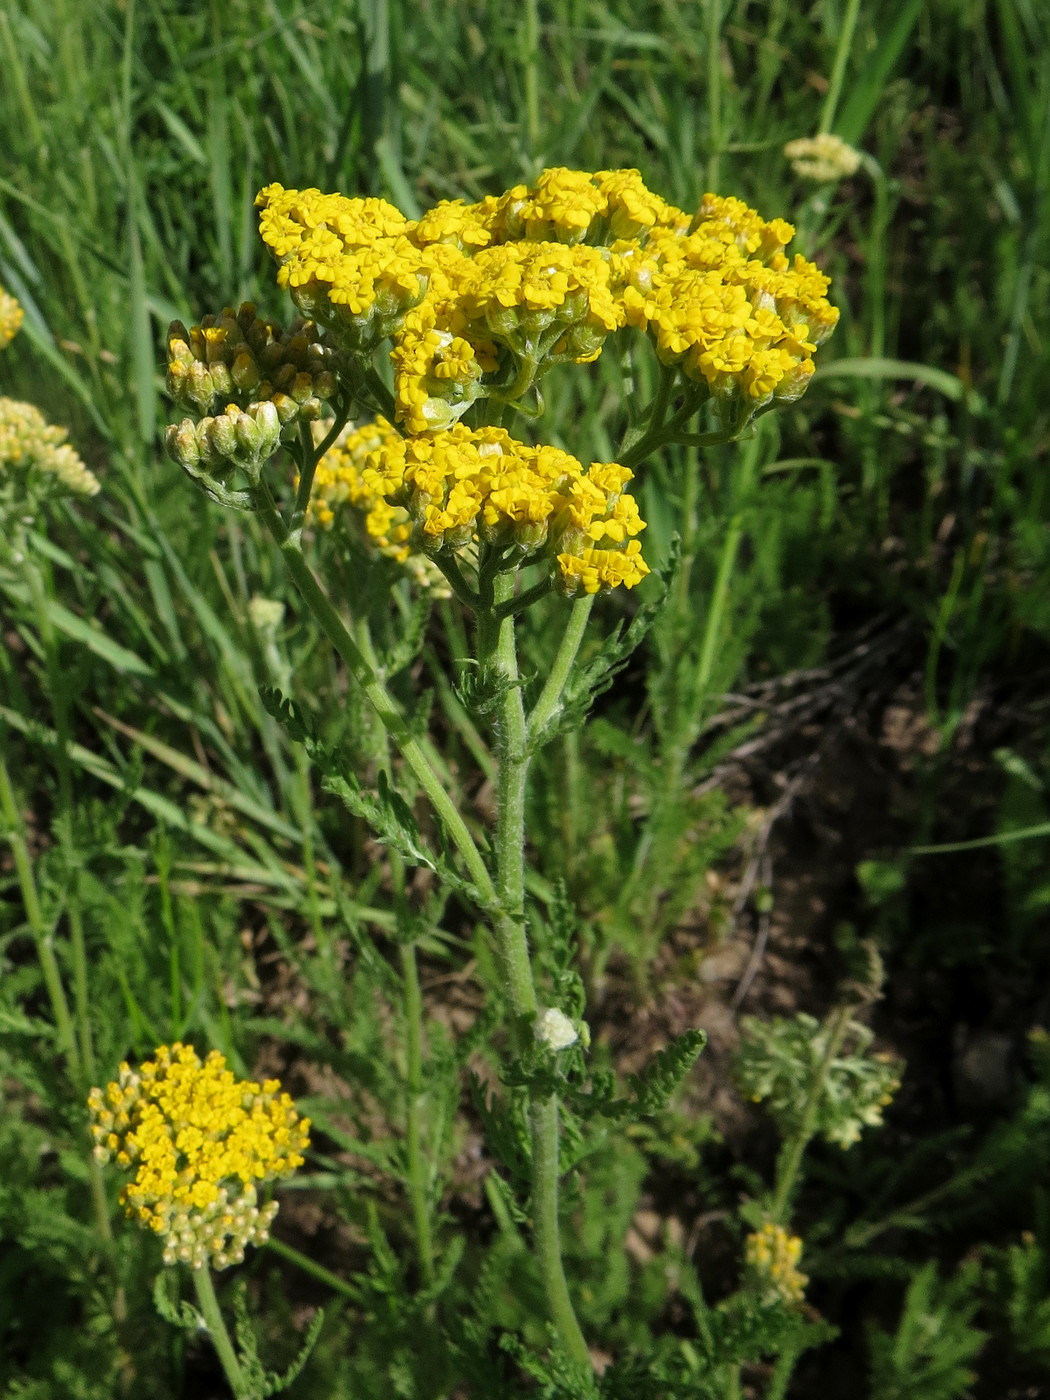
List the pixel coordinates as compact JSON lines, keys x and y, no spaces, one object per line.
{"x":543,"y":1123}
{"x":497,"y":656}
{"x":375,"y":691}
{"x":791,"y":1154}
{"x":549,"y":703}
{"x":311,"y":455}
{"x":220,"y":1338}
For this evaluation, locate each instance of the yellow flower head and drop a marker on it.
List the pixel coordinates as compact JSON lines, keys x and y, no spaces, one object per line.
{"x":723,"y":301}
{"x":200,"y":1144}
{"x":10,"y":318}
{"x":771,"y":1257}
{"x":32,"y":445}
{"x":346,"y":262}
{"x":481,"y":299}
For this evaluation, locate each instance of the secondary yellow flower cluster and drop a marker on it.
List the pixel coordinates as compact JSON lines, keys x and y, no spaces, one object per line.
{"x":823,"y":158}
{"x":30,"y":444}
{"x":339,"y":483}
{"x":201,"y":1143}
{"x":480,"y":299}
{"x":447,"y":490}
{"x":10,"y":318}
{"x":238,"y":355}
{"x":771,"y":1256}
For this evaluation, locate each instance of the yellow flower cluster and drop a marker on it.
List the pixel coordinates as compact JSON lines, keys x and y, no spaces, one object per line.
{"x":823,"y":158}
{"x":481,"y":299}
{"x":30,"y":444}
{"x":10,"y":318}
{"x":200,"y":1143}
{"x":239,"y":355}
{"x":771,"y":1256}
{"x":466,"y":485}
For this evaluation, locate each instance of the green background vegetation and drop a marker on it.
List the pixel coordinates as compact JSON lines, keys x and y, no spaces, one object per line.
{"x":865,"y":580}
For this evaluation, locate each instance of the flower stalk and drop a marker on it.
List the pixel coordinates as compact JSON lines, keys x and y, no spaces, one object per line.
{"x":217,"y":1331}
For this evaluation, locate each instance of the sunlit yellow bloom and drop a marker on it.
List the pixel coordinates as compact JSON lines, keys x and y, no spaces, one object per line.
{"x":467,"y":485}
{"x":201,"y":1143}
{"x":481,"y":299}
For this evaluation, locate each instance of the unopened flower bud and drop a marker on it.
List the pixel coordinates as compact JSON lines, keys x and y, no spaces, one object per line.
{"x":181,"y":442}
{"x":198,"y":386}
{"x":245,"y":372}
{"x":220,"y":436}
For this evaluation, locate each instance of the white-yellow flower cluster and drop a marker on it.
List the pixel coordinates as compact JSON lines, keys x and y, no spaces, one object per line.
{"x":822,"y":158}
{"x":31,"y":445}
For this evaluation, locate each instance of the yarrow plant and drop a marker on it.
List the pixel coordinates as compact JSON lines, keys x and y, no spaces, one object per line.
{"x":824,"y":158}
{"x":391,"y":394}
{"x":200,"y":1144}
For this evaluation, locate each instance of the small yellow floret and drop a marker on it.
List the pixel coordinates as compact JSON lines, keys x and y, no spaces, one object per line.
{"x":771,"y":1256}
{"x":10,"y":318}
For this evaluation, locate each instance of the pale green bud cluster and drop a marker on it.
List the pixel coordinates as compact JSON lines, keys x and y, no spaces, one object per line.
{"x":239,"y":356}
{"x":779,"y":1059}
{"x":218,"y":445}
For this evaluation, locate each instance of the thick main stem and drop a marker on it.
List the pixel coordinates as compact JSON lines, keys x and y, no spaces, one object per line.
{"x":543,"y":1125}
{"x":497,"y":656}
